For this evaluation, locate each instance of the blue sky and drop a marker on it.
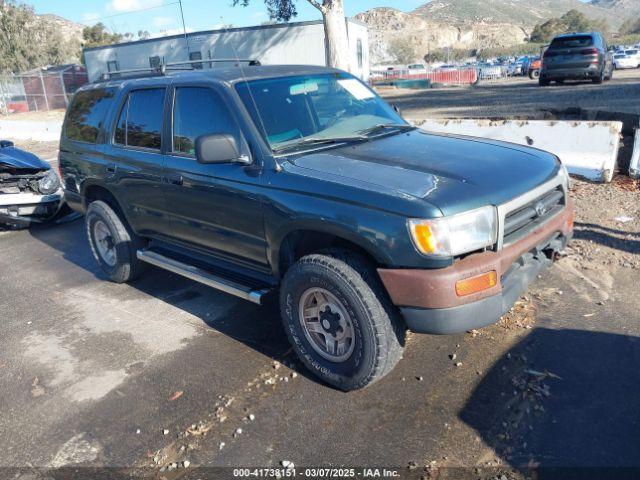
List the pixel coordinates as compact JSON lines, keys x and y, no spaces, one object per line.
{"x":158,"y":16}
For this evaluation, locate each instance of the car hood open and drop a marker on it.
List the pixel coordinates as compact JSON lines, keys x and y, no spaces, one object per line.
{"x":12,"y":158}
{"x":452,"y":173}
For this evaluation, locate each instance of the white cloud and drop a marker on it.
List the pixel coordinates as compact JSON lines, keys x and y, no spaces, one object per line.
{"x":163,"y":21}
{"x":129,"y":5}
{"x":90,"y":17}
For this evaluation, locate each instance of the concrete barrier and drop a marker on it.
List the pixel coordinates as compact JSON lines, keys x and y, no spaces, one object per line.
{"x":634,"y":166}
{"x":41,"y":130}
{"x":588,"y":149}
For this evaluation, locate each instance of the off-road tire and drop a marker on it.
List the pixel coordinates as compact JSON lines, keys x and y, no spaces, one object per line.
{"x":127,"y":266}
{"x":379,"y":330}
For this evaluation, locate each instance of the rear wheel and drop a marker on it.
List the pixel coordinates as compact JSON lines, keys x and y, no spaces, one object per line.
{"x":112,"y":245}
{"x":600,"y":78}
{"x":339,"y":319}
{"x":533,"y":74}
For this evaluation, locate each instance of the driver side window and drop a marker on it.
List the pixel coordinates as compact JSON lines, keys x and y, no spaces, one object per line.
{"x":199,"y":111}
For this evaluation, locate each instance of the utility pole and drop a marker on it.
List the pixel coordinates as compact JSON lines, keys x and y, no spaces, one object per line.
{"x":184,"y":29}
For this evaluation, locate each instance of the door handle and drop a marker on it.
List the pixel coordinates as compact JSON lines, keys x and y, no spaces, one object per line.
{"x":111,"y":168}
{"x":175,"y":179}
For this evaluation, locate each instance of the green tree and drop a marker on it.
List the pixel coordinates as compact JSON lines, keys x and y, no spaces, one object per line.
{"x":27,"y":41}
{"x":335,"y":27}
{"x":572,"y":21}
{"x":97,"y":36}
{"x":402,"y":51}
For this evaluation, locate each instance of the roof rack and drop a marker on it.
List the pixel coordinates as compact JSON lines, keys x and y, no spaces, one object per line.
{"x":163,"y":67}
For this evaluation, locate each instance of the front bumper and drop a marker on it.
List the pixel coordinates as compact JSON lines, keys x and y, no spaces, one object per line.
{"x":24,"y":209}
{"x":427,"y":298}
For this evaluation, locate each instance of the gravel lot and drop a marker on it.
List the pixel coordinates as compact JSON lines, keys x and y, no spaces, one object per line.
{"x":164,"y":370}
{"x":519,"y":97}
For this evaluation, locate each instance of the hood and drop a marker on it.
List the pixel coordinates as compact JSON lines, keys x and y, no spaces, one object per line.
{"x":15,"y":159}
{"x":452,"y":173}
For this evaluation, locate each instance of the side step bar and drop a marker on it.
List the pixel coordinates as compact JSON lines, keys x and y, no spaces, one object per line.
{"x":202,"y":276}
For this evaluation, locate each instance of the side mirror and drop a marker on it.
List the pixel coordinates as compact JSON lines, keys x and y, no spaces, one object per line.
{"x":397,"y":110}
{"x":219,"y":148}
{"x":6,"y":143}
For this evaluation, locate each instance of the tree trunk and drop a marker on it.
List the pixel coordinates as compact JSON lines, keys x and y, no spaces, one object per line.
{"x":335,"y":30}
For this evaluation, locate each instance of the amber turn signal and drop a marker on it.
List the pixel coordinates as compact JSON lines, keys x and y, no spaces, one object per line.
{"x":476,"y":284}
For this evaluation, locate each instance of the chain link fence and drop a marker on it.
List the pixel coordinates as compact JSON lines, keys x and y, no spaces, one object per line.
{"x":40,"y":90}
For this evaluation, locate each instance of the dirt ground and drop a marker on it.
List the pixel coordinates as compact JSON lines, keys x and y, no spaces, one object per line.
{"x":518,"y":97}
{"x":165,"y":371}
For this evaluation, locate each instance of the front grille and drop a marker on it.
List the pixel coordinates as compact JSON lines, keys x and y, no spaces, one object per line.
{"x":519,"y":222}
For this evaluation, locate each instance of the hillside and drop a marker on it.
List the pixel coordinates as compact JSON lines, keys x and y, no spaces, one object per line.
{"x":525,"y":13}
{"x":388,"y":25}
{"x":69,"y":30}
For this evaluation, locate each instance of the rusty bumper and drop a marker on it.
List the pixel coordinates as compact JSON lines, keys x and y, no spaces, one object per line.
{"x":428,"y":298}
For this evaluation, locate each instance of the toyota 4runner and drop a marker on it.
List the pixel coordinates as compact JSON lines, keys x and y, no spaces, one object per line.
{"x":301,"y":180}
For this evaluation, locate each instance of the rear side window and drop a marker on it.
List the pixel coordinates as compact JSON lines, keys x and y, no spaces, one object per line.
{"x":199,"y":111}
{"x":570,"y":42}
{"x":140,"y":120}
{"x":87,"y":113}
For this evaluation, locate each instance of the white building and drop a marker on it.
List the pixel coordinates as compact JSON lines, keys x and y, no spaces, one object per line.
{"x":282,"y":43}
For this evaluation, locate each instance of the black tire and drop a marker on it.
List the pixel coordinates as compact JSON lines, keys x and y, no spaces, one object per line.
{"x":543,"y":83}
{"x":560,"y":82}
{"x":125,"y":243}
{"x":600,"y":78}
{"x":379,"y":332}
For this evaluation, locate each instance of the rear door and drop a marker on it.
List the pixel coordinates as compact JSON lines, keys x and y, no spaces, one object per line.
{"x":213,"y":206}
{"x":135,"y":162}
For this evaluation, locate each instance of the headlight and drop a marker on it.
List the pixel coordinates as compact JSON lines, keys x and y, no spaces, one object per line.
{"x":564,"y":174}
{"x":49,"y":183}
{"x":457,"y":234}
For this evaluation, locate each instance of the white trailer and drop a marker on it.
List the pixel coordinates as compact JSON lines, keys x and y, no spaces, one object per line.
{"x":282,"y":43}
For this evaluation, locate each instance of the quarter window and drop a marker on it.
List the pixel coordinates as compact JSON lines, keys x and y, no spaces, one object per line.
{"x":87,"y":114}
{"x":140,"y":120}
{"x":199,"y":111}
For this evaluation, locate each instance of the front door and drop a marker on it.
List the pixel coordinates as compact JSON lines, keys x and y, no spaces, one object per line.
{"x":213,"y":206}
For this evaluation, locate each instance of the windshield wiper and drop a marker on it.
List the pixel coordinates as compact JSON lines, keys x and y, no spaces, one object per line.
{"x":319,"y":141}
{"x":383,"y":126}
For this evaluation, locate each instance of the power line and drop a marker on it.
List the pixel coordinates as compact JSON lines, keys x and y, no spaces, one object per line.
{"x":133,"y":11}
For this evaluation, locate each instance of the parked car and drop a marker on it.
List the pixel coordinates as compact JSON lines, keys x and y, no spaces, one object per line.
{"x":622,"y":60}
{"x":534,"y":68}
{"x":416,"y":69}
{"x":30,"y":190}
{"x":301,"y":180}
{"x":633,"y":53}
{"x":487,"y":71}
{"x":577,"y":56}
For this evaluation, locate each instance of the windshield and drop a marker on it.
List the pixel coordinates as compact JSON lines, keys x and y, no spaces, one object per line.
{"x":290,"y":110}
{"x":568,"y":42}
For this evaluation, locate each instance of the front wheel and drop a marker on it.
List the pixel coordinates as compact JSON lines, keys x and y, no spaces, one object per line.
{"x":112,"y":245}
{"x":339,"y":319}
{"x":543,"y":83}
{"x":534,"y":74}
